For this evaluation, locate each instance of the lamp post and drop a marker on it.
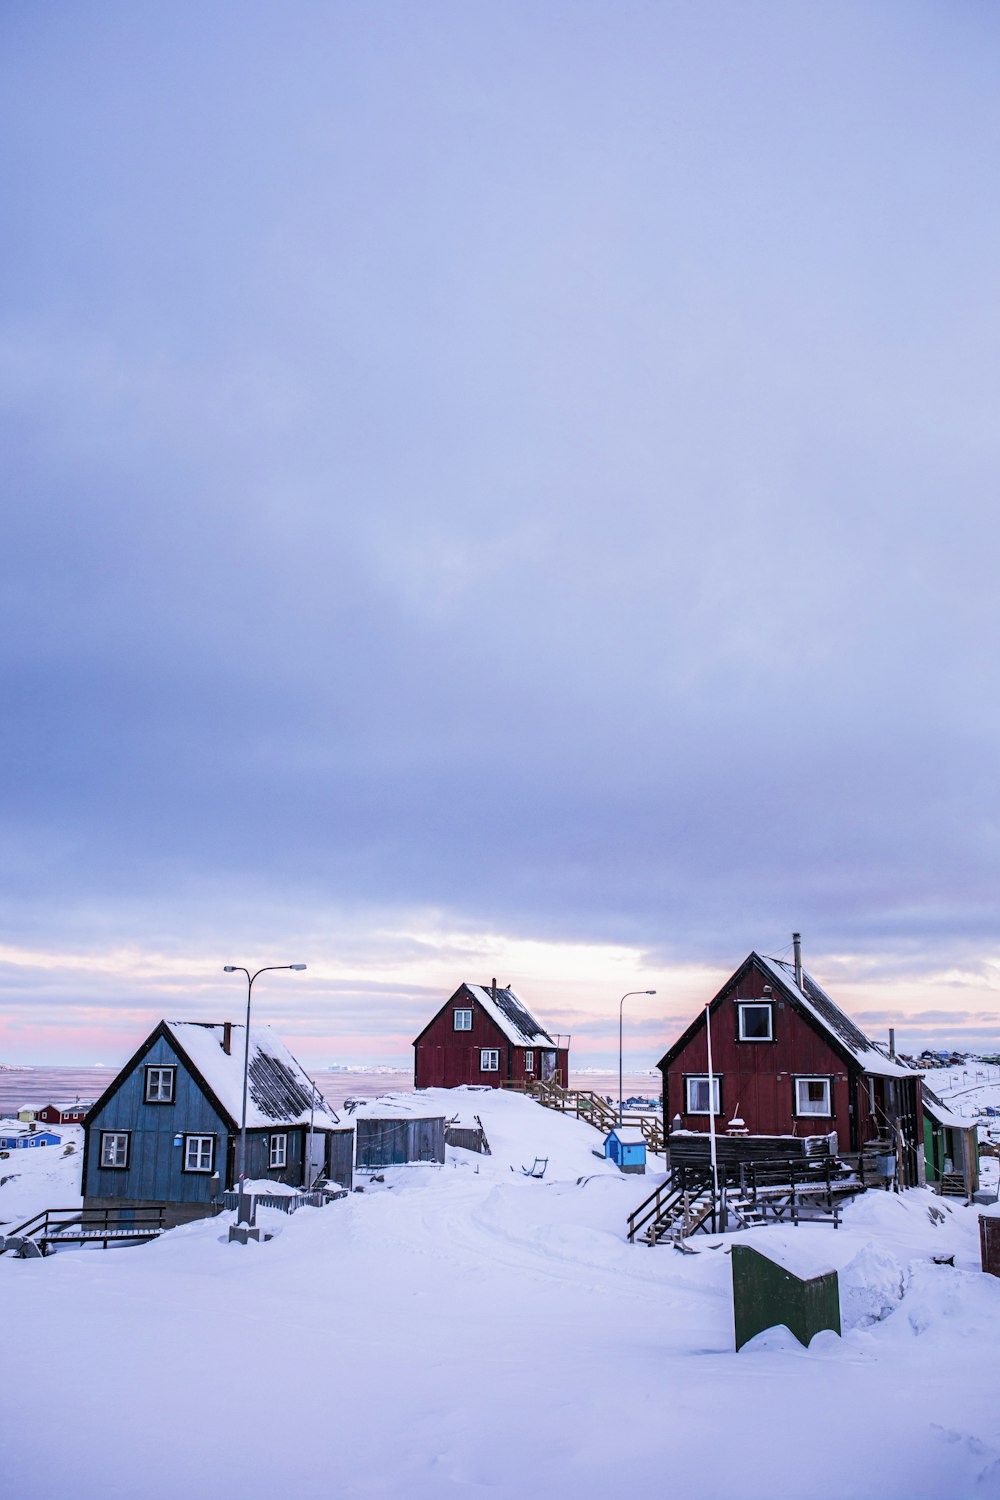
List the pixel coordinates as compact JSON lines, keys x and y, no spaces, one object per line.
{"x":238,"y":969}
{"x":621,"y":1005}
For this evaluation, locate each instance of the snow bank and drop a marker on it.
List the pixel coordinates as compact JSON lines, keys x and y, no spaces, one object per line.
{"x":871,"y":1287}
{"x":518,"y":1130}
{"x":43,"y":1177}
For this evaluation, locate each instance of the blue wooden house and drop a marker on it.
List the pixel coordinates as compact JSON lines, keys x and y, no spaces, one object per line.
{"x":15,"y":1137}
{"x":165,"y":1133}
{"x":625,"y":1145}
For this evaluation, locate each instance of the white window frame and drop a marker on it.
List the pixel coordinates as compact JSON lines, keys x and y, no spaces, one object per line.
{"x":809,"y":1111}
{"x":122,"y":1146}
{"x":696,"y":1078}
{"x":529,"y":1060}
{"x":741,"y":1006}
{"x":489,"y":1059}
{"x":277,"y":1152}
{"x":195,"y":1150}
{"x":463,"y":1018}
{"x":162,"y":1075}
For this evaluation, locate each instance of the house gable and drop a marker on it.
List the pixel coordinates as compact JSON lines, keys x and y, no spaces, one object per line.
{"x":155,"y":1131}
{"x":812,"y":1004}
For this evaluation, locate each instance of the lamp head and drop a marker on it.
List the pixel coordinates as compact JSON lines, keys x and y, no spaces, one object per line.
{"x":296,"y":966}
{"x":650,"y":992}
{"x":229,"y":969}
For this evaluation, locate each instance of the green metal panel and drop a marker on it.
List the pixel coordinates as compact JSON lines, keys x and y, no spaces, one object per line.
{"x":765,"y":1294}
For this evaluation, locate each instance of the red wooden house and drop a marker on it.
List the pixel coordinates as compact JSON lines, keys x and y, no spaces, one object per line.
{"x":788,"y":1061}
{"x":67,"y":1114}
{"x":486,"y":1035}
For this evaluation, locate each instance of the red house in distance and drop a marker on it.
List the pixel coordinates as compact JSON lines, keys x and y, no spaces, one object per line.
{"x":789,"y":1061}
{"x":486,"y":1035}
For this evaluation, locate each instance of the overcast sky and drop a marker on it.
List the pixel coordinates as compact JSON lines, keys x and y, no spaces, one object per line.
{"x":496,"y":489}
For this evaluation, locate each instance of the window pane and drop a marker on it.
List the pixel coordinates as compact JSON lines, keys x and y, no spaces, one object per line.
{"x":813,"y":1096}
{"x":755,"y":1023}
{"x":698,"y":1095}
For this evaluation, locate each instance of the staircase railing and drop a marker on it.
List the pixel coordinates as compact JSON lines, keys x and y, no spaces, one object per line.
{"x":79,"y":1225}
{"x":592,"y":1108}
{"x":667,"y":1203}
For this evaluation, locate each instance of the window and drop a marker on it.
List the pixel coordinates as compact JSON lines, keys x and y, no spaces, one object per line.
{"x":279,"y":1151}
{"x":812,"y":1096}
{"x":489,"y":1059}
{"x":756,"y":1023}
{"x":160,"y":1085}
{"x":199,"y":1153}
{"x":529,"y":1062}
{"x":114,"y":1149}
{"x":463,"y":1020}
{"x":697,"y":1095}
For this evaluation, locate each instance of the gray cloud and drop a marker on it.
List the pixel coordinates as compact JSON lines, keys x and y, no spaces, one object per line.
{"x":544,"y":477}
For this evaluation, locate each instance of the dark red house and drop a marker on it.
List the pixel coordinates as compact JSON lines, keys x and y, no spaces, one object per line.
{"x":788,"y":1061}
{"x":487,"y":1035}
{"x":69,"y":1114}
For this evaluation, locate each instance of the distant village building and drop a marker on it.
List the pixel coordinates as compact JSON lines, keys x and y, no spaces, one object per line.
{"x":791,"y":1062}
{"x":65,"y":1114}
{"x":487,"y":1035}
{"x":165,"y":1132}
{"x":16,"y":1135}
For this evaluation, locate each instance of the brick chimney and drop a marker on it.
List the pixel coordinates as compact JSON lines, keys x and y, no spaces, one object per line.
{"x":227,"y":1037}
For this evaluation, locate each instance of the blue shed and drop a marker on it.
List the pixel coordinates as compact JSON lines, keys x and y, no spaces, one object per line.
{"x":625,"y":1145}
{"x":165,"y":1133}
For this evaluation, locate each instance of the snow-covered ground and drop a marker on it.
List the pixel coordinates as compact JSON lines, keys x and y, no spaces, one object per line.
{"x":465,"y":1330}
{"x":40,"y":1177}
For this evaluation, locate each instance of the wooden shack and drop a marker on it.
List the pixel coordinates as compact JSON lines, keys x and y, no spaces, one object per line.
{"x":396,"y":1140}
{"x":625,"y":1145}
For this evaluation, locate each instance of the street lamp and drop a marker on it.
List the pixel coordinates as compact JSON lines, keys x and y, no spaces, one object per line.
{"x":238,"y":969}
{"x":621,"y":1004}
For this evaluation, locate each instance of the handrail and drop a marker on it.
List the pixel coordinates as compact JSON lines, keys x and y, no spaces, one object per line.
{"x":666,"y":1196}
{"x":51,"y":1219}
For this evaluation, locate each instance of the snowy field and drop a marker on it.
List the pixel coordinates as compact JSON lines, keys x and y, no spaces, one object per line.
{"x":464,"y":1330}
{"x":39,"y":1177}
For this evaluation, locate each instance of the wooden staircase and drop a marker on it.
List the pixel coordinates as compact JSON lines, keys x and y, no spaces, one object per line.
{"x":952,"y":1185}
{"x":592,"y":1108}
{"x":674,"y":1211}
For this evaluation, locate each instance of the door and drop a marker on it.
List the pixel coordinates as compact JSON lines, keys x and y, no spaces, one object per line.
{"x":315,"y":1157}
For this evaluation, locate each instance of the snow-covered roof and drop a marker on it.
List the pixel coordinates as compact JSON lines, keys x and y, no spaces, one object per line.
{"x":836,"y":1022}
{"x":628,"y":1135}
{"x":512,"y":1016}
{"x":280,"y":1091}
{"x":939,"y":1111}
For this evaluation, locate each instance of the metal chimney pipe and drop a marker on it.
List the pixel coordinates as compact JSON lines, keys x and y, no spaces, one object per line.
{"x":493,"y":990}
{"x":892,"y":1041}
{"x":797,"y":947}
{"x":227,"y":1037}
